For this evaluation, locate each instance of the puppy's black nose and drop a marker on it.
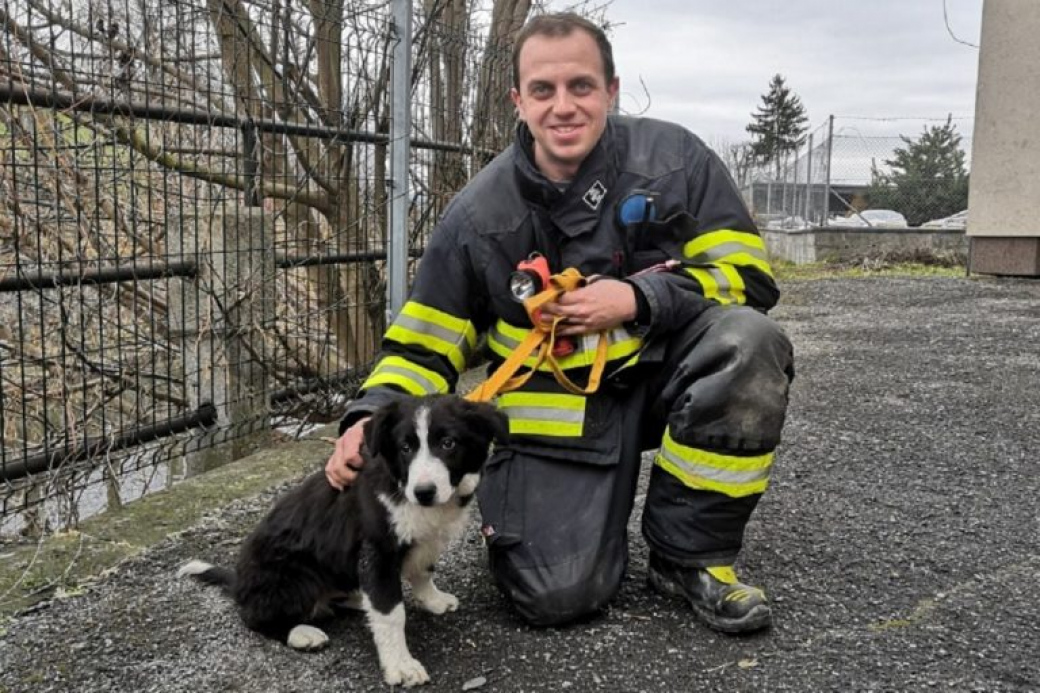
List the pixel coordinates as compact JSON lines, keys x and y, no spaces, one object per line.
{"x":426,"y":495}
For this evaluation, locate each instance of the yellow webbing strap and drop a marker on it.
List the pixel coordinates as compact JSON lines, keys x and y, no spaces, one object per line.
{"x":542,"y":338}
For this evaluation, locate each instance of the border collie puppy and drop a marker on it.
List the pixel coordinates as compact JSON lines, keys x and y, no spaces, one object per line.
{"x":423,"y":459}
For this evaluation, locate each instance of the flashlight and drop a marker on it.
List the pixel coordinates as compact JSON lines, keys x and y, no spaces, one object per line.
{"x":522,"y":285}
{"x":530,"y":277}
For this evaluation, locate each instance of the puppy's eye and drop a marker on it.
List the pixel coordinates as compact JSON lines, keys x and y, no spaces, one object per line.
{"x":448,"y":443}
{"x":405,"y":446}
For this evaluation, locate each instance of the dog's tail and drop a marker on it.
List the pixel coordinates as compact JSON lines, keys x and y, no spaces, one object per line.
{"x":209,"y":574}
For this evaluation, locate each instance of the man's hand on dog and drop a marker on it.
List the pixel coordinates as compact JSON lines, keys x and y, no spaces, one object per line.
{"x":345,"y":462}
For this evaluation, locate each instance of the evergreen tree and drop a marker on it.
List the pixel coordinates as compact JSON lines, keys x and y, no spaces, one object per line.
{"x":778,"y":125}
{"x":928,"y":178}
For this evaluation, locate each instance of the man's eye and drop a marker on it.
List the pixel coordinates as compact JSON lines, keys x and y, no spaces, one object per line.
{"x":448,"y":443}
{"x":582,"y":88}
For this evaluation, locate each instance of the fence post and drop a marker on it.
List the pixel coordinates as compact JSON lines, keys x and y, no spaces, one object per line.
{"x":400,"y":143}
{"x":808,"y":180}
{"x":785,"y":207}
{"x":827,"y":186}
{"x":221,"y":317}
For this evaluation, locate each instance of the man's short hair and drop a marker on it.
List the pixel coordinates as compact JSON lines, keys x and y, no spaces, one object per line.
{"x":558,"y":25}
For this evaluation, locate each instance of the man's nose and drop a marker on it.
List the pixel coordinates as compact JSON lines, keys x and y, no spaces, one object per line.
{"x":564,"y":103}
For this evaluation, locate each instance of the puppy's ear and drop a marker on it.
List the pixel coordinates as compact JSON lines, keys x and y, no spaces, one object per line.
{"x":379,"y":430}
{"x":486,"y":418}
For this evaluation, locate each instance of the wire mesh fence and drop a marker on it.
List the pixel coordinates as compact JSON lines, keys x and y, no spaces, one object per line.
{"x":195,"y":203}
{"x":864,"y":172}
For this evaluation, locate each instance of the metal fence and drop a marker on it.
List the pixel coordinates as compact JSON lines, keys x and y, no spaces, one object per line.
{"x":195,"y":199}
{"x":847,"y":170}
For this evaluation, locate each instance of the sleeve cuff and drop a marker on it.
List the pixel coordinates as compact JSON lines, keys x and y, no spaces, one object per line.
{"x":640,"y":325}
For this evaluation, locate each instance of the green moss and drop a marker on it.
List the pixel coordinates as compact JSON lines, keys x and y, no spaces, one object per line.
{"x":786,"y":271}
{"x":62,"y":564}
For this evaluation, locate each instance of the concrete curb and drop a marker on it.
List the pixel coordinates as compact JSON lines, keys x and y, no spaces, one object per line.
{"x":62,"y":564}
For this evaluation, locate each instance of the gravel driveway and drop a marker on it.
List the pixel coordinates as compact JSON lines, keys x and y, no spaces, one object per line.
{"x":898,"y":541}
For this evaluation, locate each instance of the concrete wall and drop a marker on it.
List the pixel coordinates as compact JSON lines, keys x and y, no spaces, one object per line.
{"x":837,"y":244}
{"x":1004,"y":216}
{"x":1005,"y":165}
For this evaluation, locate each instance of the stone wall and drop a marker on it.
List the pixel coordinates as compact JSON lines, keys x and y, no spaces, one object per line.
{"x":827,"y":244}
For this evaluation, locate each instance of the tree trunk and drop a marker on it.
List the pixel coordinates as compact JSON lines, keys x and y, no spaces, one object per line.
{"x":493,"y":119}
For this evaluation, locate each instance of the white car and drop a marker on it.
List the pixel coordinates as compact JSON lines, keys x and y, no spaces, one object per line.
{"x":787,"y":224}
{"x":955,"y":222}
{"x":873,"y":218}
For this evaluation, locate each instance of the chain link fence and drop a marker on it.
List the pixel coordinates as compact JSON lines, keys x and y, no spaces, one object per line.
{"x":195,"y":200}
{"x":868,"y":172}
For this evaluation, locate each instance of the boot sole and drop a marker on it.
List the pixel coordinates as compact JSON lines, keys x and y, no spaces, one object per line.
{"x":758,"y":618}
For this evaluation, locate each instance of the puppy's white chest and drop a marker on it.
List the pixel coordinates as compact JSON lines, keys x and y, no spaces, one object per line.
{"x":415,"y":524}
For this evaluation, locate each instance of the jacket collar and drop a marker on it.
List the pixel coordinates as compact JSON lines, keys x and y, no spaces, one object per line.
{"x":577,"y":209}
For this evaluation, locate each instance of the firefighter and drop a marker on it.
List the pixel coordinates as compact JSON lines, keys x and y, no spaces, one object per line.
{"x":679,"y":287}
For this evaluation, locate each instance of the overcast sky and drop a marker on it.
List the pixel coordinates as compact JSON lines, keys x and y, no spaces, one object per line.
{"x":706,"y":63}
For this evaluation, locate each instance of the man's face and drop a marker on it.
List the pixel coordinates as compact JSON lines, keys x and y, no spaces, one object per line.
{"x":564,"y":99}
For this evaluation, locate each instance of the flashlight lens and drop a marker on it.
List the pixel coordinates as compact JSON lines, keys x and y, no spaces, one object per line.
{"x":521,"y":286}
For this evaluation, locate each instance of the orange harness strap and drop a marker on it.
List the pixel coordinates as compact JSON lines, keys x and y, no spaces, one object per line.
{"x":541,"y":339}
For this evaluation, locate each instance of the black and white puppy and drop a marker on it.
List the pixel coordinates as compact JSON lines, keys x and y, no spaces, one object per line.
{"x":423,"y":460}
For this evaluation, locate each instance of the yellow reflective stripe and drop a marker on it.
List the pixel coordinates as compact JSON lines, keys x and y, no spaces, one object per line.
{"x":723,"y":573}
{"x":729,"y":247}
{"x":735,"y":283}
{"x":700,"y":469}
{"x":712,"y":239}
{"x":503,"y":338}
{"x":708,"y":278}
{"x":544,"y":414}
{"x":452,"y":324}
{"x":412,"y":378}
{"x":507,"y":336}
{"x":620,"y":344}
{"x":723,"y":283}
{"x":440,"y":332}
{"x":745,"y":260}
{"x":709,"y":285}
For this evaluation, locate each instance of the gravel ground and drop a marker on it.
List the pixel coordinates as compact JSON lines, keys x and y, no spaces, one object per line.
{"x":899,"y":543}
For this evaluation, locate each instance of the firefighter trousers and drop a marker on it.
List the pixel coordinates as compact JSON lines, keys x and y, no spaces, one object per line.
{"x":712,"y":399}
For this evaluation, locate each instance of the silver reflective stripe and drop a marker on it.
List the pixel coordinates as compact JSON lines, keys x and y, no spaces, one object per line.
{"x":502,"y":339}
{"x":427,"y":384}
{"x":725,"y":476}
{"x":588,"y":342}
{"x":576,"y":416}
{"x":723,"y":283}
{"x":429,"y":328}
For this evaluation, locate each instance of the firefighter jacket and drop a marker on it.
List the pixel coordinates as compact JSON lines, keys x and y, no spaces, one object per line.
{"x":510,"y":210}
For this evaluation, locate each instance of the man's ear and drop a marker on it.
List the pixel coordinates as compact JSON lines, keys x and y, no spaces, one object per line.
{"x":613,"y":89}
{"x":518,"y":100}
{"x":380,"y":428}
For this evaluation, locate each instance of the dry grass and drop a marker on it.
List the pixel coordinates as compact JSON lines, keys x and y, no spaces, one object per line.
{"x":912,"y":263}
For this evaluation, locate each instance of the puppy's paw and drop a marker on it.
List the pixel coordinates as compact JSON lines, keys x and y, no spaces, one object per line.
{"x":307,"y":638}
{"x":437,"y":602}
{"x":405,"y":671}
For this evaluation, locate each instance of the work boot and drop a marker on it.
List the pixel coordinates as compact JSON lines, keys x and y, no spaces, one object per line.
{"x":715,"y":594}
